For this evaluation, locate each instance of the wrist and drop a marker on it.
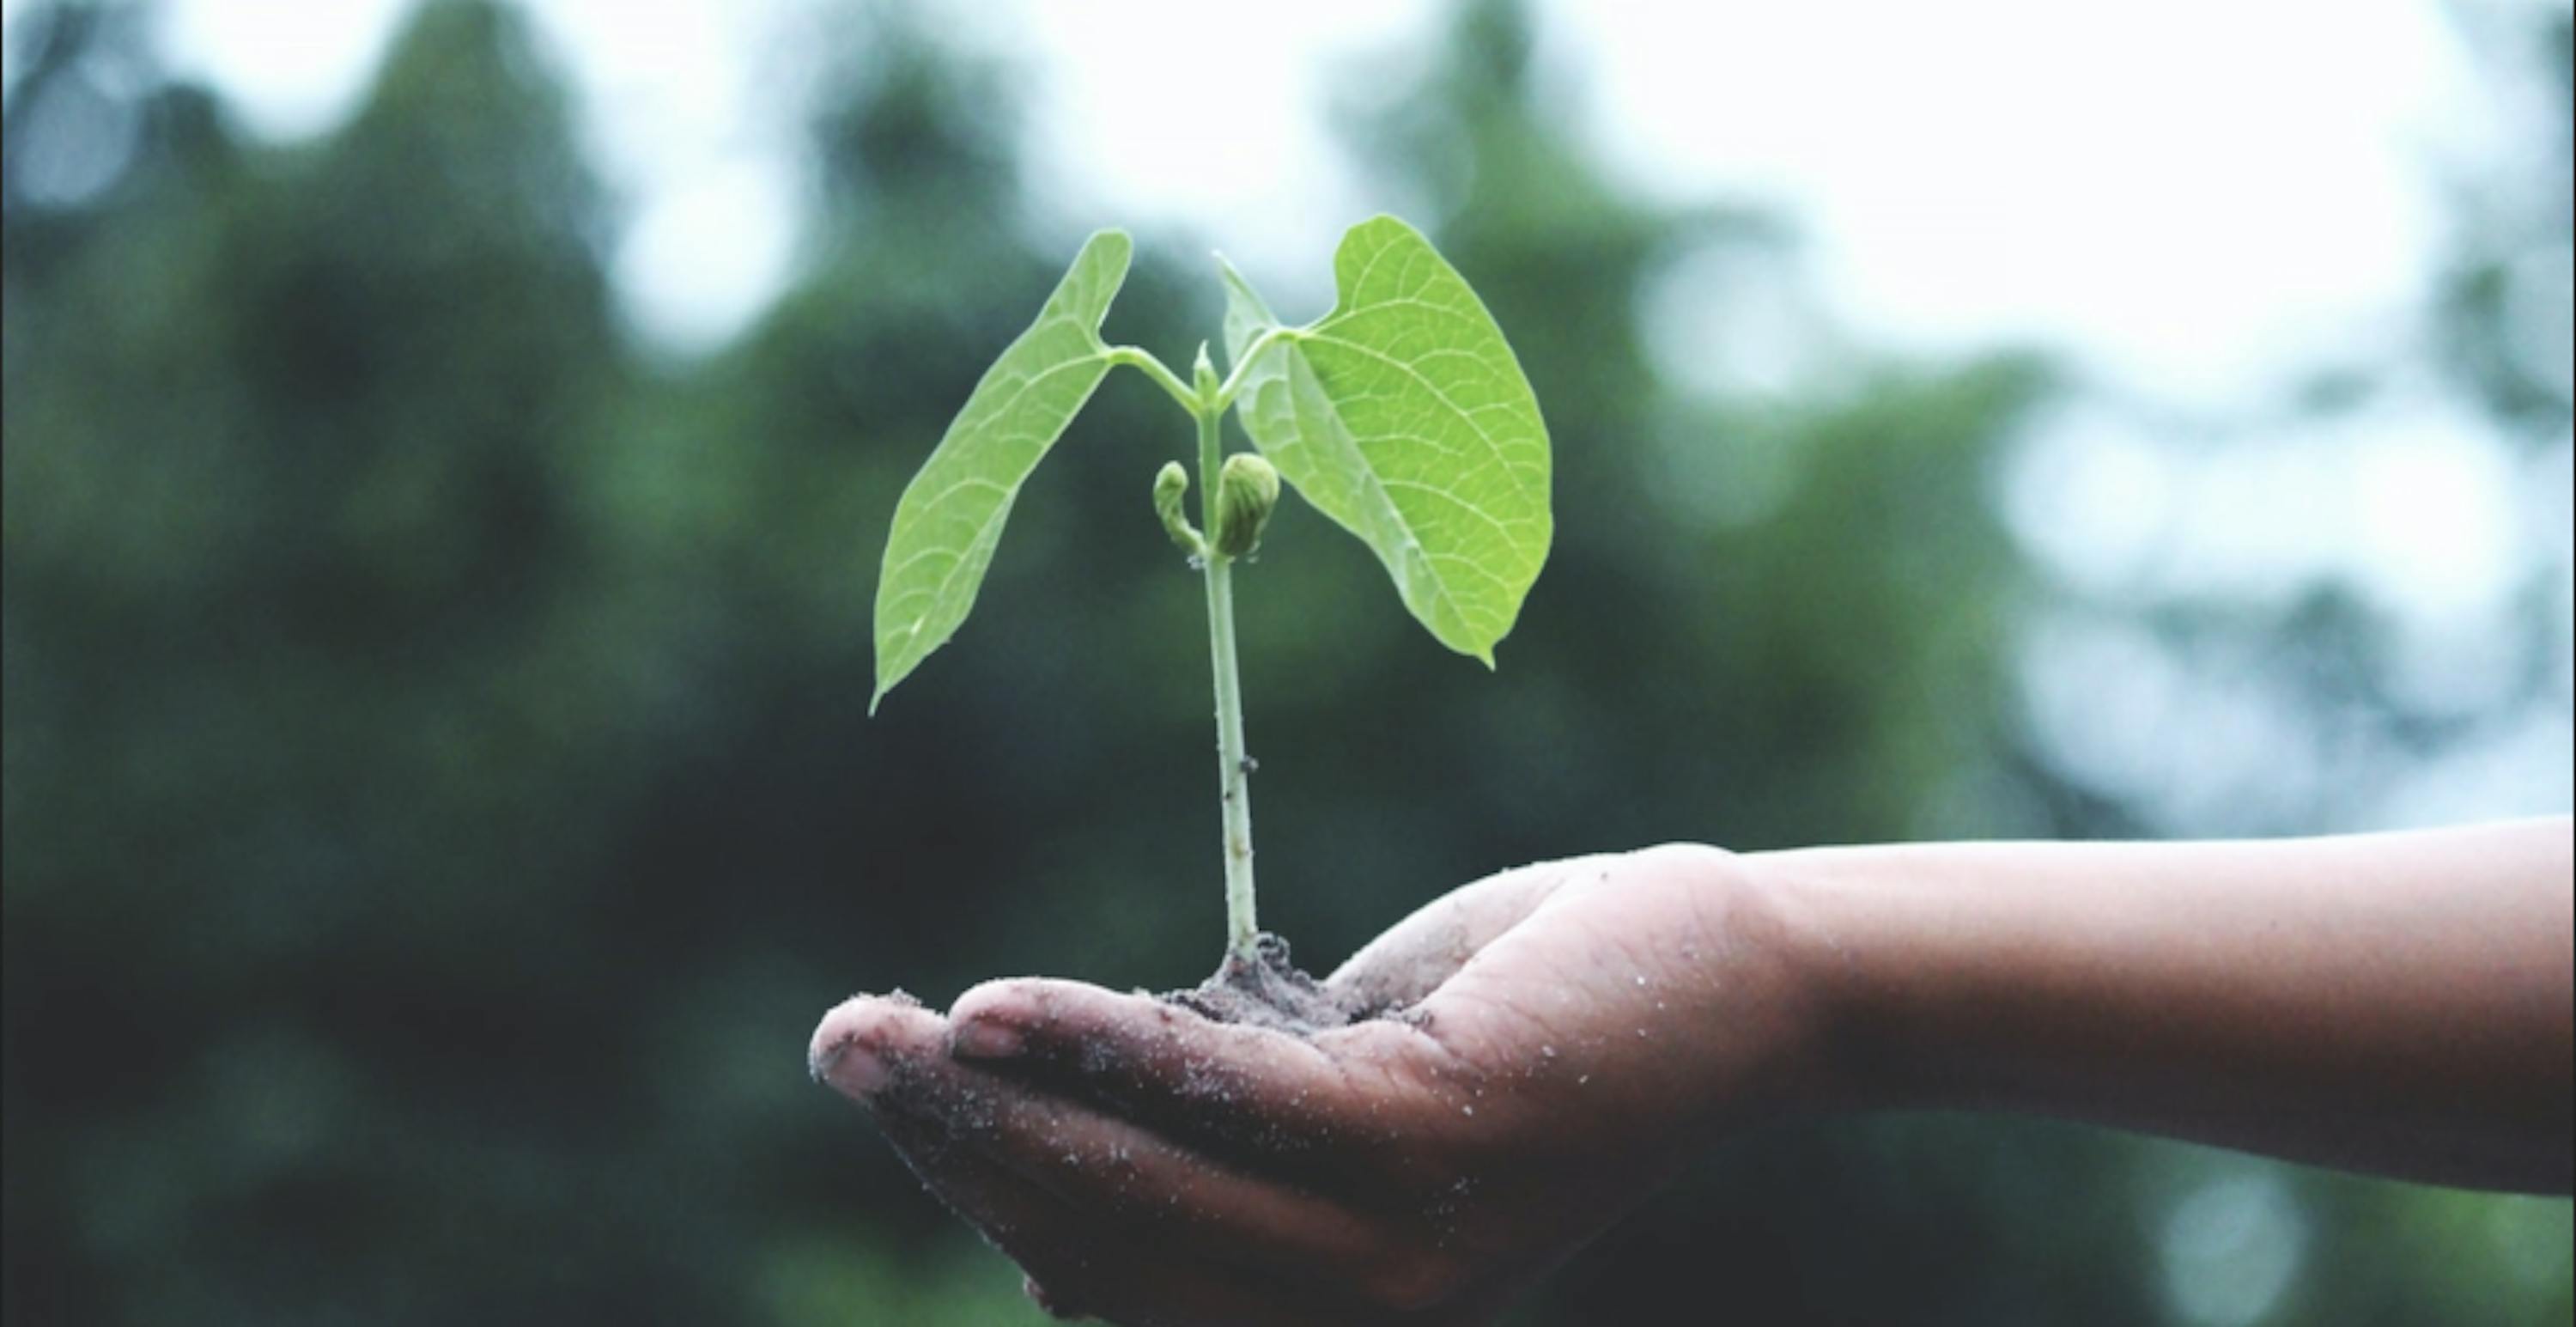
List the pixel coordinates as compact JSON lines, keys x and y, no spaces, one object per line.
{"x":1771,"y":1011}
{"x":1818,"y":928}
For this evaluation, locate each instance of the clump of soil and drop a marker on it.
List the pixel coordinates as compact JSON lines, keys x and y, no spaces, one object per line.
{"x":1270,"y":992}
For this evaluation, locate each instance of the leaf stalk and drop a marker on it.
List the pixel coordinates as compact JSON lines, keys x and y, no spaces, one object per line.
{"x":1225,"y":393}
{"x":1137,"y":357}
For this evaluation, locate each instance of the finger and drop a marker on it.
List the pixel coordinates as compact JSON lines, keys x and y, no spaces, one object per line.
{"x":1413,"y":957}
{"x":1167,"y":1194}
{"x":1085,"y":1266}
{"x":864,"y":1042}
{"x":1239,"y":1092}
{"x":890,"y":1054}
{"x":1038,"y":1295}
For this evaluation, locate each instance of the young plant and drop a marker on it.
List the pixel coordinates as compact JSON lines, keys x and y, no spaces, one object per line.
{"x":1401,"y":414}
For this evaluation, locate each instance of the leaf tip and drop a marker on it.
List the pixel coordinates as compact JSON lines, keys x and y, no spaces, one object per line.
{"x":1114,"y":242}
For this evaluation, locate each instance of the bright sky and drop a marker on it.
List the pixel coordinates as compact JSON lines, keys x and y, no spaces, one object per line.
{"x":2190,"y":192}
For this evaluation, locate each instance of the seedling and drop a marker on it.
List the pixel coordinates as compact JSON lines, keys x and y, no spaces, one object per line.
{"x":1401,"y":414}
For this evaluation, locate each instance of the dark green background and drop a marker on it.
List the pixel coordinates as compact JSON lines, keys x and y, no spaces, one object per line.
{"x":439,"y":798}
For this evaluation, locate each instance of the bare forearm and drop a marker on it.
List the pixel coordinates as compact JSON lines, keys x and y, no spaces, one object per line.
{"x":2393,"y":1003}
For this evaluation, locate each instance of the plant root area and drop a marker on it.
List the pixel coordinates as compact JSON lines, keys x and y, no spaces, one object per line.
{"x":1269,"y":992}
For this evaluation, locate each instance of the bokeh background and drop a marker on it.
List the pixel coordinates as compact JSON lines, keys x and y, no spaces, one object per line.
{"x":448,"y":450}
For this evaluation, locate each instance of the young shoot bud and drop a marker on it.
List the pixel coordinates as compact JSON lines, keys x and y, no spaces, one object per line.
{"x":1203,"y":374}
{"x":1171,"y":484}
{"x":1246,"y":490}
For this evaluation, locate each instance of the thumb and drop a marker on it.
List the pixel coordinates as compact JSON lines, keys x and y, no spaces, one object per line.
{"x":1412,"y":958}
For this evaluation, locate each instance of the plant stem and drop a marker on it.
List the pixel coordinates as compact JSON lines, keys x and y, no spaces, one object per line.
{"x":1234,"y":769}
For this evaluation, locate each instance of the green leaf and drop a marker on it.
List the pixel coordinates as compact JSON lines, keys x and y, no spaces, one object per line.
{"x":1403,"y":415}
{"x":951,"y":514}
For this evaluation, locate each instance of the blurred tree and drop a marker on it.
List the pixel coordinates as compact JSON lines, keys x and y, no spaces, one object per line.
{"x":2501,"y":316}
{"x":300,"y":696}
{"x":2371,"y":711}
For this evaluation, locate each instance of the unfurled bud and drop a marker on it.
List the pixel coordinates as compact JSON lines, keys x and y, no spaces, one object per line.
{"x":1246,"y":489}
{"x":1172,"y":484}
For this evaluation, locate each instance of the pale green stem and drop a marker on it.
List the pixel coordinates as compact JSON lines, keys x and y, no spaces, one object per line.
{"x":1141,"y":358}
{"x":1234,"y":769}
{"x":1234,"y":381}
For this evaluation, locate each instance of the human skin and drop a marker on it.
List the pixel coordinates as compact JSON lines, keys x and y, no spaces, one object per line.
{"x":1569,"y":1034}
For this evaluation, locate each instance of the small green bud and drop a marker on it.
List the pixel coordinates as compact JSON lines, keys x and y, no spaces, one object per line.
{"x":1203,"y":375}
{"x":1246,"y":490}
{"x":1171,"y":484}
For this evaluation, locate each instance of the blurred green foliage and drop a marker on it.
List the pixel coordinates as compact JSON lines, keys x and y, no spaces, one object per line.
{"x":439,"y":801}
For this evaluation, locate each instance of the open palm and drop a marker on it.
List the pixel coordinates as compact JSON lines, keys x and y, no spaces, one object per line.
{"x":1556,"y":1039}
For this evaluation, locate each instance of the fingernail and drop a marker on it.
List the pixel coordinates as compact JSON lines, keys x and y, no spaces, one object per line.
{"x":850,"y":1067}
{"x":985,"y":1039}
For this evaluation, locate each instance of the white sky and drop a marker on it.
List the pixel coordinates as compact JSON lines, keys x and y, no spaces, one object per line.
{"x":2190,"y":193}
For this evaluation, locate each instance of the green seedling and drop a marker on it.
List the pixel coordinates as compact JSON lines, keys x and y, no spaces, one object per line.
{"x":1401,"y":414}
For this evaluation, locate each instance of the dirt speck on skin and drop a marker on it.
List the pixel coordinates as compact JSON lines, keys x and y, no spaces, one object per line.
{"x":1270,"y":992}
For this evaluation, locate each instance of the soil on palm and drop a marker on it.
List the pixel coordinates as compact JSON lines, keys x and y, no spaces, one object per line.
{"x":1270,"y":992}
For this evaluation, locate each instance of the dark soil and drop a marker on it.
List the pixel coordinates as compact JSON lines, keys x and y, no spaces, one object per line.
{"x":1270,"y":992}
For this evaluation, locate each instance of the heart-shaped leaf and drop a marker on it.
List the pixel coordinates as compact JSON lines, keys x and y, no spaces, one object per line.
{"x":1403,"y":416}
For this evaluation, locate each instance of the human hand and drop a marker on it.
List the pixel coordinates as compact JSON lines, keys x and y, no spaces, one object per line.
{"x":1559,"y":1038}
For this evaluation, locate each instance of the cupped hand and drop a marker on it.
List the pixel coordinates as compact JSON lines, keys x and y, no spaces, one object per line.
{"x":1555,"y":1041}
